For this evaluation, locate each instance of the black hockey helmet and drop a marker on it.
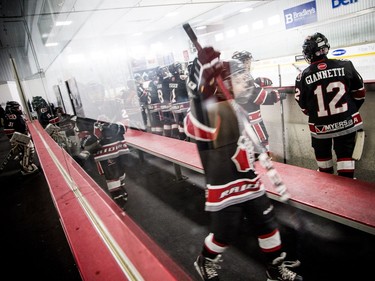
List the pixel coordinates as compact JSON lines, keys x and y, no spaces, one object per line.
{"x":162,"y":72}
{"x":175,"y":68}
{"x":138,"y":78}
{"x":13,"y":107}
{"x":242,"y":56}
{"x":38,"y":102}
{"x":314,"y":47}
{"x":152,"y":75}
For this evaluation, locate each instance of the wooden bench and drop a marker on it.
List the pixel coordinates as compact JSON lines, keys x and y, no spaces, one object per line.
{"x":106,"y":243}
{"x":340,"y":199}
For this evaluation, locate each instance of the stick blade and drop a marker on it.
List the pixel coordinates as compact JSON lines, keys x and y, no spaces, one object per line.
{"x":359,"y":143}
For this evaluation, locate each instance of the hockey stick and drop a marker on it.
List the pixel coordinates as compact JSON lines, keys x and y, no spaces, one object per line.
{"x":359,"y":143}
{"x":282,"y":117}
{"x":264,"y":159}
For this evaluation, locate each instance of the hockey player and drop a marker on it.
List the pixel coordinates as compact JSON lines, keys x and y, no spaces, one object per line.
{"x":330,"y":92}
{"x":45,"y":112}
{"x":179,"y":98}
{"x":153,"y":104}
{"x":108,"y":146}
{"x":165,"y":99}
{"x":233,"y":187}
{"x":257,"y":96}
{"x":142,"y":95}
{"x":15,"y":128}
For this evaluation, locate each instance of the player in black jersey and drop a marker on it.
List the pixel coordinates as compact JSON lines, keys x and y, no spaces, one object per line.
{"x":179,"y":99}
{"x":142,"y":95}
{"x":15,"y":127}
{"x":153,"y":104}
{"x":330,"y":92}
{"x":220,"y":128}
{"x":45,"y":112}
{"x":165,"y":99}
{"x":257,"y":96}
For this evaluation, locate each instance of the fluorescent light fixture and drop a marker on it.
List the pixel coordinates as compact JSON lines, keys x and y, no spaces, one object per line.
{"x":258,"y":25}
{"x":243,"y":29}
{"x":219,"y":37}
{"x":61,"y":23}
{"x":245,"y":10}
{"x":52,"y":44}
{"x":230,"y":33}
{"x":201,"y":27}
{"x":172,"y":14}
{"x":137,"y":34}
{"x":76,"y":58}
{"x":273,"y":20}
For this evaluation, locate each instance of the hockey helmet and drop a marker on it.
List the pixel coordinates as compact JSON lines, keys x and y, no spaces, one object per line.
{"x":138,"y":78}
{"x":162,"y":72}
{"x":13,"y":107}
{"x":235,"y":76}
{"x":175,"y":68}
{"x":315,"y":47}
{"x":38,"y":102}
{"x":242,"y":56}
{"x":152,"y":75}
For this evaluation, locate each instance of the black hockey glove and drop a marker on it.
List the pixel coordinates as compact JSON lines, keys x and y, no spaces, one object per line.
{"x":282,"y":95}
{"x":263,"y":81}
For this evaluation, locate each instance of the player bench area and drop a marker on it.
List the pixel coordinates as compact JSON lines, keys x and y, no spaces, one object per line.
{"x":106,"y":243}
{"x":340,"y":199}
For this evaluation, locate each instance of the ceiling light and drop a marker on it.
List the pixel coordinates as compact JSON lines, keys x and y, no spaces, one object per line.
{"x":258,"y":25}
{"x":243,"y":29}
{"x":172,"y":14}
{"x":246,"y":10}
{"x":201,"y":27}
{"x":60,"y":23}
{"x":52,"y":44}
{"x":219,"y":37}
{"x":230,"y":33}
{"x":273,"y":20}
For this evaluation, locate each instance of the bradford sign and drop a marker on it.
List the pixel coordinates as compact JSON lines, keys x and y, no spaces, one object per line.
{"x":300,"y":15}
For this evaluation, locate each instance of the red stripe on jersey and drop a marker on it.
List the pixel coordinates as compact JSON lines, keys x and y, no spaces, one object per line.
{"x":199,"y":131}
{"x":220,"y":193}
{"x":255,"y":116}
{"x":260,"y":99}
{"x":359,"y":94}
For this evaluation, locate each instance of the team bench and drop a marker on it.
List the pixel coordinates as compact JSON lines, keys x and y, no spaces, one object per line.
{"x":106,"y":244}
{"x":340,"y":199}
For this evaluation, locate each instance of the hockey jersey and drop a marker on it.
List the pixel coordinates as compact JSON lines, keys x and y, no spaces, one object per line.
{"x":331,"y":92}
{"x":226,"y":154}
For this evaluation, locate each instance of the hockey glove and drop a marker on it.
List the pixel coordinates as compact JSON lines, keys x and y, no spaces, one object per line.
{"x":263,"y":81}
{"x":210,"y":68}
{"x":282,"y":95}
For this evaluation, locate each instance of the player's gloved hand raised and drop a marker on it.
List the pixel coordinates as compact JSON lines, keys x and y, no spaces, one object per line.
{"x":263,"y":81}
{"x":211,"y":67}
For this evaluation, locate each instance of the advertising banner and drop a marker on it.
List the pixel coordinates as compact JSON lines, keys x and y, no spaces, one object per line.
{"x":300,"y":15}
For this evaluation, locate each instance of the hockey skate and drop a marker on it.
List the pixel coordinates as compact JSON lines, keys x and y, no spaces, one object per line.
{"x":120,"y":197}
{"x":207,"y":268}
{"x":31,"y":169}
{"x":281,"y":270}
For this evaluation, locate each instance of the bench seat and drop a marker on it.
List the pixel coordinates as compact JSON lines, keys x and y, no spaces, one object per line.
{"x":344,"y":200}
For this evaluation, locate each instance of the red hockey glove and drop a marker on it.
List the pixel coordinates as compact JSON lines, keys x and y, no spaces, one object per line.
{"x":210,"y":68}
{"x":263,"y":81}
